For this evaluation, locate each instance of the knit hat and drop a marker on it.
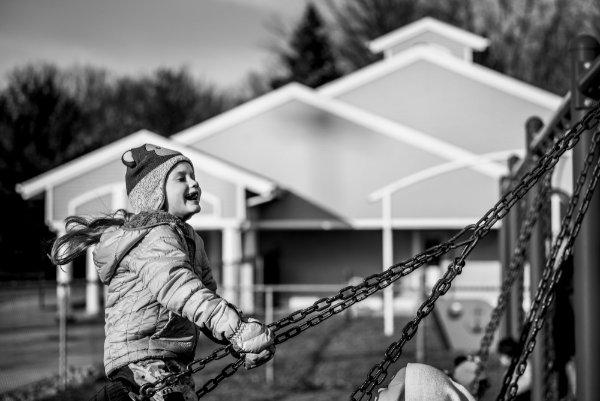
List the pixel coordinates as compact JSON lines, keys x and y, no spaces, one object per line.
{"x":147,"y":169}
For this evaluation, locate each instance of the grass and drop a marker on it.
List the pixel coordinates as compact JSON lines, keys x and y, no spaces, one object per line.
{"x":324,"y":363}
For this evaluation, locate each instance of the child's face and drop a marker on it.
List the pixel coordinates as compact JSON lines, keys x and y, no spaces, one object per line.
{"x":182,"y":191}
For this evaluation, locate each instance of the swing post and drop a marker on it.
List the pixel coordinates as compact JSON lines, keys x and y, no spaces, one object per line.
{"x":537,"y":258}
{"x":586,"y":255}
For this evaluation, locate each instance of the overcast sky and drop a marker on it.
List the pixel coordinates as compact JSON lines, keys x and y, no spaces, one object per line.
{"x":219,"y":40}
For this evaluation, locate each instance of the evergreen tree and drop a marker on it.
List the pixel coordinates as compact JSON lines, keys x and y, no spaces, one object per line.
{"x":309,"y":58}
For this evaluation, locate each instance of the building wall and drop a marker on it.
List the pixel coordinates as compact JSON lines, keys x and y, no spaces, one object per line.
{"x":449,"y":106}
{"x":327,"y":160}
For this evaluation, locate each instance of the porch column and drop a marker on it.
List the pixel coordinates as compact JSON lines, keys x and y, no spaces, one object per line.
{"x":232,"y":255}
{"x":247,"y":272}
{"x":64,"y":277}
{"x":388,"y":260}
{"x":92,"y":287}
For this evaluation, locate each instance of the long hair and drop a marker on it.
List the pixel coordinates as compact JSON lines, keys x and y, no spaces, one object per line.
{"x":83,"y":232}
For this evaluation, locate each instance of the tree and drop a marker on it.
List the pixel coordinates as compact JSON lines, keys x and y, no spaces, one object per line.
{"x":308,"y":58}
{"x":49,"y":116}
{"x":528,"y":39}
{"x":356,"y":22}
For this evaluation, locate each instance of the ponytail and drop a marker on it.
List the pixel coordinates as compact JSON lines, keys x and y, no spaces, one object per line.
{"x":83,"y":232}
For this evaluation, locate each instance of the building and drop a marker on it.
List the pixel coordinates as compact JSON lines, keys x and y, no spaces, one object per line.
{"x":305,"y":181}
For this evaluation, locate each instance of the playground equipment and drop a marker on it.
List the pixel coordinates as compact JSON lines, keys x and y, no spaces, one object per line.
{"x":546,"y":246}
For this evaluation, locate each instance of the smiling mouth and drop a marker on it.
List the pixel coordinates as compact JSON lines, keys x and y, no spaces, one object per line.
{"x":192,"y":196}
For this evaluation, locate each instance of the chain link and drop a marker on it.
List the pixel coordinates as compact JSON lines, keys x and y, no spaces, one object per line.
{"x":515,"y":268}
{"x":561,"y":250}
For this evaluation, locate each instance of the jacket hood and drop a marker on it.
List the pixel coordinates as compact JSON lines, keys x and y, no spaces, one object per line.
{"x":115,"y":243}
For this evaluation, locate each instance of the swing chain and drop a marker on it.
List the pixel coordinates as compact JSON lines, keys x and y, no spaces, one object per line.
{"x":514,"y":269}
{"x":352,"y":294}
{"x":561,"y":250}
{"x":546,"y":163}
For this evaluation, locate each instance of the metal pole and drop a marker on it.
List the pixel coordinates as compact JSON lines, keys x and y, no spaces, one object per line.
{"x":420,"y":353}
{"x":537,"y":259}
{"x":62,"y":303}
{"x":269,"y":319}
{"x":515,"y":305}
{"x":503,"y":245}
{"x":586,"y":255}
{"x":388,"y":260}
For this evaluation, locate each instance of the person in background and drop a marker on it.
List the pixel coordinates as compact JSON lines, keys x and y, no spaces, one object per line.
{"x":507,"y":350}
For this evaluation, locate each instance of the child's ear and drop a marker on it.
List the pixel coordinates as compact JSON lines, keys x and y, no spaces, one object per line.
{"x":127,"y":159}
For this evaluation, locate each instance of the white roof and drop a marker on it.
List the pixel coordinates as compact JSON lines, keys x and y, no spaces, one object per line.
{"x":428,"y":24}
{"x":441,"y":58}
{"x":99,"y":157}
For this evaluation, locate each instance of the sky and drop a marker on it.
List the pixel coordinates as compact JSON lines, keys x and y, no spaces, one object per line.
{"x":219,"y":41}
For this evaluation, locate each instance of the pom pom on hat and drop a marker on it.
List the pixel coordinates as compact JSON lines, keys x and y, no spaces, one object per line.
{"x":147,"y":169}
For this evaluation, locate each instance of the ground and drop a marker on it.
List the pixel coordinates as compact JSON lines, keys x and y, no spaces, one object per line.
{"x":324,"y":363}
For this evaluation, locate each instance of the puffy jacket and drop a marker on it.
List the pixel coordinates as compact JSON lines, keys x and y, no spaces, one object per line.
{"x":160,"y":291}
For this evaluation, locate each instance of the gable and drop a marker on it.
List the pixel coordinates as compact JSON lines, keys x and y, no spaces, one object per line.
{"x":448,"y":104}
{"x":326,"y":159}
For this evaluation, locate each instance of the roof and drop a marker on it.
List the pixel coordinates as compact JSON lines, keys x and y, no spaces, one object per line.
{"x":428,"y":24}
{"x":99,"y":157}
{"x":441,"y":58}
{"x":369,"y":120}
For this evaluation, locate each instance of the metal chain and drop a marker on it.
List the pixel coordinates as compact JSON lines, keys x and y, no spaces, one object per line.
{"x":352,"y":294}
{"x":547,"y":162}
{"x":561,"y":249}
{"x":347,"y":297}
{"x":514,"y":269}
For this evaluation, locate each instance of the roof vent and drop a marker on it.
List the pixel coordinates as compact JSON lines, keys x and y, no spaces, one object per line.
{"x":430,"y":31}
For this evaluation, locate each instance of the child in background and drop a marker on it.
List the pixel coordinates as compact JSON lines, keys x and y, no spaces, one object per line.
{"x":160,"y":287}
{"x":507,"y":350}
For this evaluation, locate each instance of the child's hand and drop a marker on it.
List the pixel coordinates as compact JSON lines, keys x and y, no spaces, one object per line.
{"x":252,"y":337}
{"x":253,"y":360}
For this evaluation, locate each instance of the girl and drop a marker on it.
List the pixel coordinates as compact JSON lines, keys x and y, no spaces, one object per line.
{"x":160,"y":287}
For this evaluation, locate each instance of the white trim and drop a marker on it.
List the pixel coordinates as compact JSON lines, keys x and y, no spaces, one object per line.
{"x":238,"y":114}
{"x":200,"y":222}
{"x":438,"y":170}
{"x":240,"y":202}
{"x":367,"y":224}
{"x":49,"y":204}
{"x":95,"y":159}
{"x":433,"y":55}
{"x":424,"y":25}
{"x":108,"y":189}
{"x":56,"y":226}
{"x":411,"y":136}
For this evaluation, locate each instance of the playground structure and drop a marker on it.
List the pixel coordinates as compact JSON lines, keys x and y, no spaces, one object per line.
{"x":546,"y":237}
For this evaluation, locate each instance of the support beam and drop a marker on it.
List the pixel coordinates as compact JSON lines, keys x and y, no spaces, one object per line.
{"x":247,"y":272}
{"x":537,"y":261}
{"x":417,"y":247}
{"x":503,"y":245}
{"x":583,"y":50}
{"x":232,"y":255}
{"x":92,"y":286}
{"x":388,"y":260}
{"x":514,"y":311}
